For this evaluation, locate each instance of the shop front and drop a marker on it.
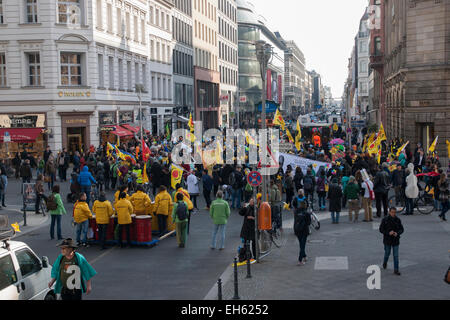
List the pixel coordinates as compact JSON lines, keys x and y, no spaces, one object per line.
{"x":22,"y":131}
{"x":117,"y":128}
{"x":75,"y":128}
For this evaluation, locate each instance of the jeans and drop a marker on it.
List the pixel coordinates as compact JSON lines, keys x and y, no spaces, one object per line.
{"x":207,"y":195}
{"x":181,"y":229}
{"x":194,"y":200}
{"x":39,"y":171}
{"x":82,"y":229}
{"x":2,"y":198}
{"x":322,"y":202}
{"x":381,"y":197}
{"x":387,"y":253}
{"x":335,"y":217}
{"x":55,"y":218}
{"x":127,"y":230}
{"x":302,"y":241}
{"x":445,"y":207}
{"x":102,"y":228}
{"x":87,"y":190}
{"x":409,"y":205}
{"x":219,"y":228}
{"x":236,"y":199}
{"x":162,"y":223}
{"x":52,"y":181}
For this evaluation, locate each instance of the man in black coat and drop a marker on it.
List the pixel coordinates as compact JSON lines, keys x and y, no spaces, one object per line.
{"x":335,"y":199}
{"x":381,"y":189}
{"x":156,"y":175}
{"x":248,"y":226}
{"x":391,"y":227}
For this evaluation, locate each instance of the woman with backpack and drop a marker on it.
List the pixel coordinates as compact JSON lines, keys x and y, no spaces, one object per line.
{"x":335,"y":200}
{"x":302,"y":220}
{"x":56,"y":208}
{"x":180,"y":216}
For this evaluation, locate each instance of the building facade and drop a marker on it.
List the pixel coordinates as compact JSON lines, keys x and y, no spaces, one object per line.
{"x":362,"y":82}
{"x":71,"y":67}
{"x":228,"y":59}
{"x":206,"y":64}
{"x":416,"y":72}
{"x":183,"y":58}
{"x":161,"y":69}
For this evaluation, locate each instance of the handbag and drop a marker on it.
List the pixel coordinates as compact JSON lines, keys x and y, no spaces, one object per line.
{"x":371,"y":193}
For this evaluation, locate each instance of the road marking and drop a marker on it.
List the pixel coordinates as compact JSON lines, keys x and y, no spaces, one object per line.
{"x":102,"y":255}
{"x":376,"y":225}
{"x":331,"y":263}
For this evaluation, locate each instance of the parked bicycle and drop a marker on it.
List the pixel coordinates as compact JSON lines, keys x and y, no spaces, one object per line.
{"x":424,"y":203}
{"x":273,"y":236}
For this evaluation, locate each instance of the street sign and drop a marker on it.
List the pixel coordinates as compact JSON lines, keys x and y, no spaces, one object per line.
{"x":6,"y":137}
{"x":254,"y":178}
{"x":243,"y":99}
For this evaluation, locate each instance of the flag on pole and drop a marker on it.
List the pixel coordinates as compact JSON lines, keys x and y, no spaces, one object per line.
{"x":176,"y":176}
{"x":433,"y":145}
{"x":145,"y":151}
{"x":448,"y":148}
{"x":167,"y":131}
{"x":191,"y":123}
{"x":381,"y":133}
{"x":144,"y":174}
{"x":298,"y":136}
{"x":401,"y":149}
{"x":278,"y":120}
{"x":379,"y":154}
{"x":249,"y":139}
{"x":288,"y":133}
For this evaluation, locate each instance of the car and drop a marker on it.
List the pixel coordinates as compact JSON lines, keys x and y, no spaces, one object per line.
{"x":23,"y":276}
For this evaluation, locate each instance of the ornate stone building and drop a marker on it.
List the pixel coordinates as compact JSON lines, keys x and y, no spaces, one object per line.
{"x":417,"y":71}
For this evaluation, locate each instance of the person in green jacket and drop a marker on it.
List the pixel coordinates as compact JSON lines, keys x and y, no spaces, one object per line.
{"x":219,"y":212}
{"x":57,"y":213}
{"x":180,"y":225}
{"x":351,"y":192}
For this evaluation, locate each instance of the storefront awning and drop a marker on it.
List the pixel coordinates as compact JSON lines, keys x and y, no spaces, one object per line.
{"x":21,"y":135}
{"x":130,"y":128}
{"x":121,"y":132}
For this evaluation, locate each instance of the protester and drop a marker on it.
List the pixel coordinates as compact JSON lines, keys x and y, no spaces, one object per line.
{"x":236,"y":181}
{"x":391,"y":227}
{"x":67,"y":266}
{"x":103,"y":211}
{"x":248,"y":225}
{"x":335,"y":200}
{"x":443,"y":195}
{"x":81,"y":216}
{"x":219,"y":212}
{"x":309,"y":183}
{"x":25,"y":172}
{"x":56,"y":209}
{"x":50,"y":171}
{"x":367,"y":186}
{"x":141,"y":201}
{"x":275,"y":199}
{"x":321,"y":193}
{"x":193,"y":189}
{"x":180,"y":217}
{"x":85,"y":179}
{"x":351,"y":192}
{"x":163,"y":202}
{"x":207,"y":188}
{"x":3,"y":185}
{"x":302,"y":220}
{"x":381,"y":185}
{"x":124,"y":210}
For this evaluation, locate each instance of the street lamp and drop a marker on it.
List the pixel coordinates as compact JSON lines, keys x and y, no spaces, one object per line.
{"x":202,"y":98}
{"x":139,"y":89}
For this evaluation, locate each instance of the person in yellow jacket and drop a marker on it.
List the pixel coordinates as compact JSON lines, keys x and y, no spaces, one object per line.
{"x":103,"y":211}
{"x":186,"y":196}
{"x":81,"y":216}
{"x":123,"y":188}
{"x":141,"y":201}
{"x":163,"y":202}
{"x":124,"y":210}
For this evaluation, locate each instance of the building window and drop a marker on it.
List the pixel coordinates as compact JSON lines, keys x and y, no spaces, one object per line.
{"x":101,"y":79}
{"x":377,"y":46}
{"x":109,"y":17}
{"x":121,"y":74}
{"x":32,"y":11}
{"x":127,"y":21}
{"x":119,"y":22}
{"x":99,"y":15}
{"x":129,"y":75}
{"x":1,"y":12}
{"x":136,"y":34}
{"x":143,"y":31}
{"x":2,"y":70}
{"x":144,"y":76}
{"x":71,"y":69}
{"x":69,"y":11}
{"x":111,"y":72}
{"x":136,"y":73}
{"x":34,"y":69}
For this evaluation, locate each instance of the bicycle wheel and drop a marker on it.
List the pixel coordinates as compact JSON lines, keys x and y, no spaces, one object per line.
{"x":265,"y":242}
{"x":315,"y":223}
{"x":43,"y":207}
{"x":425,"y":204}
{"x":277,"y":237}
{"x":399,"y":203}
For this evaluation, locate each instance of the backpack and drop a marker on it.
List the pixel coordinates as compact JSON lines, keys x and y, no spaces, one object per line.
{"x":51,"y":202}
{"x":301,"y":222}
{"x":181,"y":212}
{"x":307,"y":183}
{"x":301,"y":204}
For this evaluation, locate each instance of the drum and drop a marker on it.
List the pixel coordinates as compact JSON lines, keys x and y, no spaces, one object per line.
{"x":143,"y":226}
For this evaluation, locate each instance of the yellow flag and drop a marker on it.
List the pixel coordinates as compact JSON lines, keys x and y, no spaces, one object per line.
{"x":381,"y":133}
{"x":291,"y":139}
{"x":16,"y":227}
{"x":335,"y":127}
{"x":249,"y":138}
{"x":144,"y":175}
{"x":219,"y":154}
{"x":448,"y":148}
{"x":298,"y":136}
{"x":433,"y":145}
{"x":278,"y":120}
{"x":176,"y":176}
{"x":402,"y":148}
{"x":191,"y":123}
{"x":379,"y":154}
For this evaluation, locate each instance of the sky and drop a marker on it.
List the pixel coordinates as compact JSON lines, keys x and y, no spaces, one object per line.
{"x":324,"y":30}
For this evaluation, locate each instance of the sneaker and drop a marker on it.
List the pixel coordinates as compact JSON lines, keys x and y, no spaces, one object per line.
{"x":300,"y":263}
{"x":397,"y":272}
{"x":212,"y":248}
{"x":384,"y":265}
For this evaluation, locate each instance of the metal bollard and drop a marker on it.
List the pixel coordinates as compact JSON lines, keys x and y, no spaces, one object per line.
{"x":219,"y":289}
{"x":236,"y":290}
{"x":24,"y":216}
{"x":249,"y":256}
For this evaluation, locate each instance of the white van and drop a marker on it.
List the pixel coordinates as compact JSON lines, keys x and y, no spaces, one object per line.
{"x":23,"y":276}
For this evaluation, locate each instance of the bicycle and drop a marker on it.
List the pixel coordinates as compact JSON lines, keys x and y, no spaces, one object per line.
{"x":315,"y":223}
{"x":273,"y":236}
{"x":424,"y":204}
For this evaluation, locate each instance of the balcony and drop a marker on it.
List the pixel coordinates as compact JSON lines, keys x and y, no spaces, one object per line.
{"x":376,"y":61}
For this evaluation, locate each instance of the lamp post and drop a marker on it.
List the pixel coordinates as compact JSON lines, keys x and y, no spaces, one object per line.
{"x":139,"y":89}
{"x":202,"y":98}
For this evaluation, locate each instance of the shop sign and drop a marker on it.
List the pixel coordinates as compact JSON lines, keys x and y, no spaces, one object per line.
{"x":107,"y":118}
{"x":107,"y":129}
{"x":74,"y":94}
{"x":243,"y":99}
{"x":22,"y":120}
{"x":75,"y":121}
{"x":126,"y":117}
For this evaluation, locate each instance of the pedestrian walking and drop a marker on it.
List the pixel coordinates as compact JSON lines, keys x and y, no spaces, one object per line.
{"x":321,"y":193}
{"x":124,"y":210}
{"x":309,"y":183}
{"x":81,"y":216}
{"x":163,"y":202}
{"x":391,"y":227}
{"x":335,"y":200}
{"x":25,"y":172}
{"x":85,"y":179}
{"x":3,"y":185}
{"x":68,"y":266}
{"x":180,"y":214}
{"x":17,"y":162}
{"x":47,"y":154}
{"x":193,"y":188}
{"x":248,"y":225}
{"x":56,"y":209}
{"x":236,"y":181}
{"x":411,"y":190}
{"x":351,"y":191}
{"x":103,"y":211}
{"x":39,"y":189}
{"x":40,"y":166}
{"x":207,"y":188}
{"x":289,"y":186}
{"x":50,"y":172}
{"x":219,"y":212}
{"x":443,"y":195}
{"x":275,"y":203}
{"x":381,"y":185}
{"x":302,"y":220}
{"x":367,"y":186}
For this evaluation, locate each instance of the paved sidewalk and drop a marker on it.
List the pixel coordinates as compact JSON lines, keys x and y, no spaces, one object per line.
{"x":338,"y":259}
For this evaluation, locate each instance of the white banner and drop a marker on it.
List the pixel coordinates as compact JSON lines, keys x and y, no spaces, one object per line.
{"x":289,"y":159}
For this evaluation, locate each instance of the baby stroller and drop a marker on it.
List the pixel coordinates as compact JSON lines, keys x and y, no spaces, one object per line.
{"x":75,"y":189}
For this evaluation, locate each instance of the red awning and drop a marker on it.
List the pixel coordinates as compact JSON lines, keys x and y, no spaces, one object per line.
{"x":21,"y":135}
{"x":130,"y":128}
{"x":121,"y":132}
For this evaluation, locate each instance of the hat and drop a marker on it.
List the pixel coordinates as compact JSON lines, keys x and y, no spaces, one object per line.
{"x":67,"y":243}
